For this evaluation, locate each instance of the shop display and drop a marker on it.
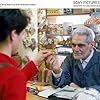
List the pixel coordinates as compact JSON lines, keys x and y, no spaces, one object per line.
{"x":67,"y":11}
{"x":47,"y":43}
{"x":94,"y":24}
{"x":53,"y":34}
{"x":61,"y":50}
{"x":68,"y":28}
{"x":55,"y":29}
{"x":66,"y":42}
{"x":51,"y":11}
{"x":42,"y":21}
{"x":28,"y":40}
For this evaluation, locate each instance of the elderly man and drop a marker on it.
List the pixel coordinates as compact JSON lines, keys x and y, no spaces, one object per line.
{"x":82,"y":67}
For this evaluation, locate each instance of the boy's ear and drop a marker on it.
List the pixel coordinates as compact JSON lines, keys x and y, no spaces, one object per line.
{"x":13,"y":35}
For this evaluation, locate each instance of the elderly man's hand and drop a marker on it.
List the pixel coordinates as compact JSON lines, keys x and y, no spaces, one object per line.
{"x":53,"y":64}
{"x":74,"y":85}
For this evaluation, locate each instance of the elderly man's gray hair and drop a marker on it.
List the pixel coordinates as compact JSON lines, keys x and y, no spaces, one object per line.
{"x":83,"y":30}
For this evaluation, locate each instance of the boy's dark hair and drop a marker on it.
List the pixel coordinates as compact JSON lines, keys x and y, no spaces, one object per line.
{"x":12,"y":19}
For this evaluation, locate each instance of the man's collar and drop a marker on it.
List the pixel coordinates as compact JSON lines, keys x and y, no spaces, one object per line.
{"x":88,"y":58}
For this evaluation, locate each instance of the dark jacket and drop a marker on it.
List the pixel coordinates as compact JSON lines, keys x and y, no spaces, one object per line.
{"x":72,"y":72}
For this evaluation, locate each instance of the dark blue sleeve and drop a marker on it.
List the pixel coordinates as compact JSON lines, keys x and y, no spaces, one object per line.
{"x":65,"y":78}
{"x":56,"y":80}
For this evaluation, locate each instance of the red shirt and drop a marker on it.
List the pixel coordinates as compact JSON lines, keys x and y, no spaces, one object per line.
{"x":13,"y":80}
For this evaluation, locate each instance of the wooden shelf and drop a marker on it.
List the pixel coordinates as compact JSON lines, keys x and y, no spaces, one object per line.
{"x":57,"y":12}
{"x":69,"y":14}
{"x":57,"y":34}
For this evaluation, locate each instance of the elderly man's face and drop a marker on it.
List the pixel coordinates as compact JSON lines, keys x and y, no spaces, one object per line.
{"x":81,"y":49}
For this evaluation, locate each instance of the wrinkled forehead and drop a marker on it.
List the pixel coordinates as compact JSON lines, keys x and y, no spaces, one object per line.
{"x":79,"y":38}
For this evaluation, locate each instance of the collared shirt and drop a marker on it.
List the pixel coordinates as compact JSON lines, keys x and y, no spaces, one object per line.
{"x":85,"y":62}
